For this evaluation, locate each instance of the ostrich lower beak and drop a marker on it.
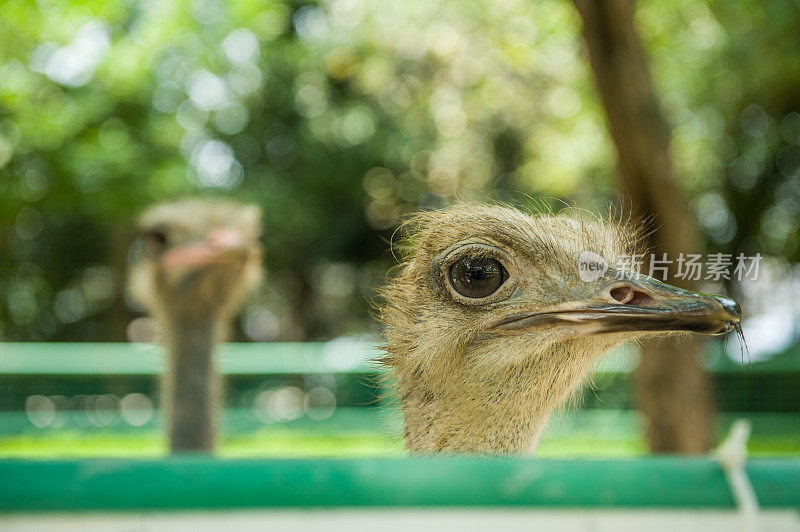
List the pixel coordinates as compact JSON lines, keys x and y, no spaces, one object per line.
{"x":640,"y":305}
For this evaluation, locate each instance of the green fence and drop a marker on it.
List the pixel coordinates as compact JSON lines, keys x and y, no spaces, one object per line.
{"x":196,"y":482}
{"x":347,"y":367}
{"x":61,"y":400}
{"x":276,"y":358}
{"x":187,"y":482}
{"x":279,"y":358}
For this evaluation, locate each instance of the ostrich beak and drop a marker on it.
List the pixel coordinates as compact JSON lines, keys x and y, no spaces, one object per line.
{"x":635,"y":305}
{"x":219,"y":246}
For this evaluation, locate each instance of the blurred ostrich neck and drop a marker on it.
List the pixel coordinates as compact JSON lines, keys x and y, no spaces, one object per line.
{"x":500,"y":412}
{"x":192,"y":387}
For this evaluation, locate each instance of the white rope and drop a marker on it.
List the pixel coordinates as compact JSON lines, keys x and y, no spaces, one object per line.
{"x":732,"y":456}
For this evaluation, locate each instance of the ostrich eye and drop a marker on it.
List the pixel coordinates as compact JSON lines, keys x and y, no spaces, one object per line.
{"x":477,"y":277}
{"x":155,"y":241}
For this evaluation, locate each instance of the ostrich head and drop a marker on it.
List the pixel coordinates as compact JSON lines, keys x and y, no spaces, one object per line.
{"x":197,"y":260}
{"x":490,"y":324}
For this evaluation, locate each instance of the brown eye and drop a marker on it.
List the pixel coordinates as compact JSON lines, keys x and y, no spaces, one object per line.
{"x":477,"y":277}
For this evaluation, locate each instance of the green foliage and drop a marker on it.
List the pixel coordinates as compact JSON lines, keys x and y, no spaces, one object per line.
{"x":728,"y":74}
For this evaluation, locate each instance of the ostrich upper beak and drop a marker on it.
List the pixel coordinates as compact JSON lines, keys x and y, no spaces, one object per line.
{"x":221,"y":245}
{"x":642,"y":304}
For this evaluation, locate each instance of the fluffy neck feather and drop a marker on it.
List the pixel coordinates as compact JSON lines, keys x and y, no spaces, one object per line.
{"x":495,"y":406}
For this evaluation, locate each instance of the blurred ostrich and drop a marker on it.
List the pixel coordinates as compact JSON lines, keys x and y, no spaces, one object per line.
{"x":490,"y":325}
{"x":198,"y":261}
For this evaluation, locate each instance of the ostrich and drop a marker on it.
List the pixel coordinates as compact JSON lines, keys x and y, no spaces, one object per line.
{"x":490,"y":326}
{"x":198,"y":260}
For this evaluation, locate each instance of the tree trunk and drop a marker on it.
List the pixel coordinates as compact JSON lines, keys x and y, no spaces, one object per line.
{"x":673,"y":389}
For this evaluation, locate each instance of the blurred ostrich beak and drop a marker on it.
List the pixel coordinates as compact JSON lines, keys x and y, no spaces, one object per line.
{"x":640,"y":304}
{"x":220,"y":246}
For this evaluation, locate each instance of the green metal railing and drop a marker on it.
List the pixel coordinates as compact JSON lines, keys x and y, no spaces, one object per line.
{"x":281,"y":358}
{"x":189,"y":482}
{"x":192,"y":482}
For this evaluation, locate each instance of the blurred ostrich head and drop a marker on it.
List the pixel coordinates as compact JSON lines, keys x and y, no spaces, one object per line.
{"x":197,"y":260}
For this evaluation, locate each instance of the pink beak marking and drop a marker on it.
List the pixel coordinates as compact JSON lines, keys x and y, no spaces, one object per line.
{"x":208,"y":251}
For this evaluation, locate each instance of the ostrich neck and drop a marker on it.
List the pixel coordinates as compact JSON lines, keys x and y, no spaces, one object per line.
{"x":191,"y":384}
{"x":503,"y":412}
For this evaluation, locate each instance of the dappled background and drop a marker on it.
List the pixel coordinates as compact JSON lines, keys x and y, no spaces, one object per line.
{"x":339,"y":118}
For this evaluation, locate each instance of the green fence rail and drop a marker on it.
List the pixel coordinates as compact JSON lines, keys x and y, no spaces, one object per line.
{"x":189,"y":482}
{"x":344,"y":356}
{"x":276,"y":358}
